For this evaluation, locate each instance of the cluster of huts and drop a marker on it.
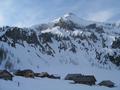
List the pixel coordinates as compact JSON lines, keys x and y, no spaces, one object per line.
{"x":88,"y":80}
{"x":4,"y":74}
{"x":77,"y":78}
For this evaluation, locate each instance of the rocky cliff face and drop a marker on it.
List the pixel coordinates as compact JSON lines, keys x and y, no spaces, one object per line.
{"x":67,"y":40}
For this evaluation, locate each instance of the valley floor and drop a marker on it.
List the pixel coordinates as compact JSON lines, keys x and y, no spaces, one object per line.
{"x":21,"y":83}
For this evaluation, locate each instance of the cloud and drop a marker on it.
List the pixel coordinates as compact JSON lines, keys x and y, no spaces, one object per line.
{"x":2,"y":20}
{"x":100,"y":16}
{"x":27,"y":12}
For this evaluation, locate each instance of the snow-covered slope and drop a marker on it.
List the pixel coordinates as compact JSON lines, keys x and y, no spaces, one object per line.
{"x":68,"y":40}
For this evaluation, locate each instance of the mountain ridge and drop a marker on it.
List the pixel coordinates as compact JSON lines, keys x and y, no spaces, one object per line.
{"x":62,"y":42}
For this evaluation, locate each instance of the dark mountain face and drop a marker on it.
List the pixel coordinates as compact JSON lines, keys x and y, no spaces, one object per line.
{"x":67,"y":25}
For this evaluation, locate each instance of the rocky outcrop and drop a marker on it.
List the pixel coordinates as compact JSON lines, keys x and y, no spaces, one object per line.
{"x":116,"y":43}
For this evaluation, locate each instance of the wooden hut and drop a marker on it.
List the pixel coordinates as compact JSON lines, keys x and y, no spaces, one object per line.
{"x":25,"y":73}
{"x":107,"y":83}
{"x":82,"y":79}
{"x":4,"y":74}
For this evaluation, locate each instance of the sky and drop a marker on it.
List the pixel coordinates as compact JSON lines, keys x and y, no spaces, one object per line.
{"x":31,"y":12}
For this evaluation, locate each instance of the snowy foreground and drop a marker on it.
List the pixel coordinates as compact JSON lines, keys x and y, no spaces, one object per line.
{"x":46,"y":84}
{"x":21,"y":83}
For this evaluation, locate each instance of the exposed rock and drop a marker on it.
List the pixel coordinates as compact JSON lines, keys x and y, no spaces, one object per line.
{"x":91,"y":26}
{"x":3,"y":55}
{"x":67,"y":25}
{"x":114,"y":58}
{"x":116,"y":43}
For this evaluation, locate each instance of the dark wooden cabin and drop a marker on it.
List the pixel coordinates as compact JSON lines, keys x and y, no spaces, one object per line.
{"x":82,"y":79}
{"x":25,"y":73}
{"x":4,"y":74}
{"x":107,"y":83}
{"x":45,"y":74}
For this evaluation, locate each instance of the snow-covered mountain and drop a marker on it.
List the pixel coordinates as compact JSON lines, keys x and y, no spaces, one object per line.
{"x":65,"y":45}
{"x":68,"y":40}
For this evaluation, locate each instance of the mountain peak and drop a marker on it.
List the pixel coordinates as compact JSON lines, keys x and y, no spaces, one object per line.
{"x":76,"y":19}
{"x":69,"y":15}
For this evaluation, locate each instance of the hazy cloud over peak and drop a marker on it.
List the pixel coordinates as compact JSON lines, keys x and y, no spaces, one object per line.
{"x":100,"y":16}
{"x":29,"y":12}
